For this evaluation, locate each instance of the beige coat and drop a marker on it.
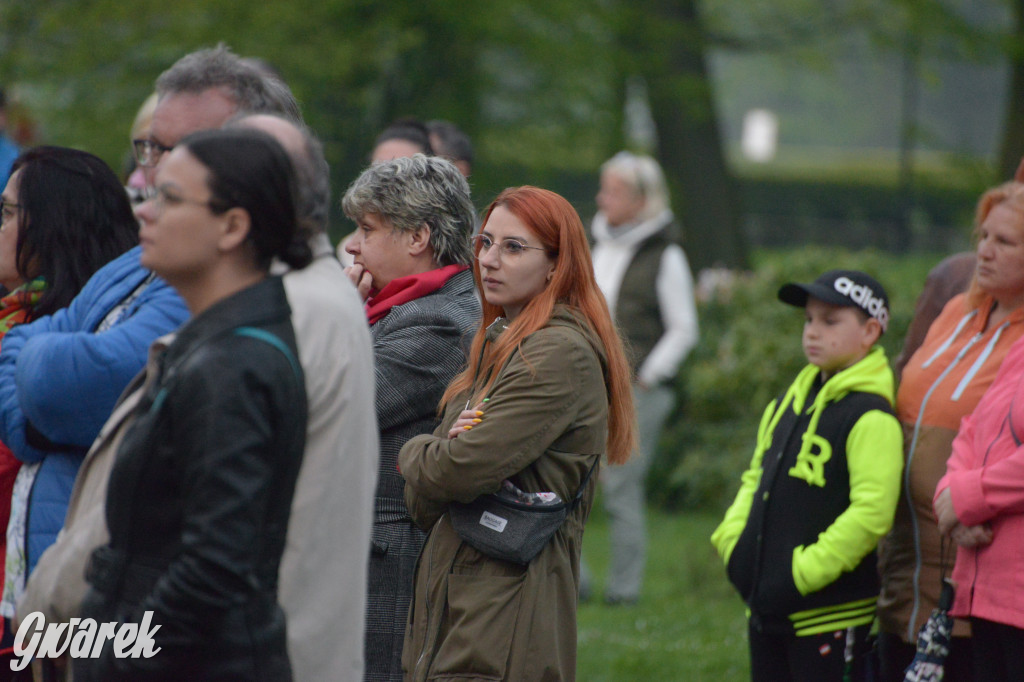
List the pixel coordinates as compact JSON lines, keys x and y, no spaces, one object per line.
{"x":474,"y":617}
{"x":322,"y":585}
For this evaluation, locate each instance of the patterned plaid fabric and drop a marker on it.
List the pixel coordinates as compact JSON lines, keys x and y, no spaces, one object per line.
{"x":419,"y":347}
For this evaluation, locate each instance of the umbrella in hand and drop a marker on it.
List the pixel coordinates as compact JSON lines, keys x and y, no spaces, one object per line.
{"x":933,"y":641}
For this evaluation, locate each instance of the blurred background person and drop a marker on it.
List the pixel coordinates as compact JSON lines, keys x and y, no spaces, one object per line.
{"x":61,"y":223}
{"x":404,"y":137}
{"x":339,"y":467}
{"x":201,"y":91}
{"x":207,"y":89}
{"x":547,"y":356}
{"x":142,"y":127}
{"x":942,"y":383}
{"x":200,"y":492}
{"x":61,"y":375}
{"x":646,"y":280}
{"x":63,"y":216}
{"x":448,"y":140}
{"x":412,"y":254}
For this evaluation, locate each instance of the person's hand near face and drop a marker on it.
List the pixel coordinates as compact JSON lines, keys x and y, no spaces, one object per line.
{"x":361,"y":279}
{"x":382,"y":254}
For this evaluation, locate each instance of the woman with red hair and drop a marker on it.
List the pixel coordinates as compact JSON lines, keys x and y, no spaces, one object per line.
{"x":549,"y":387}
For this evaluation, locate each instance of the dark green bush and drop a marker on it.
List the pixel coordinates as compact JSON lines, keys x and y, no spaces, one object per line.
{"x":749,"y":351}
{"x":854,"y":212}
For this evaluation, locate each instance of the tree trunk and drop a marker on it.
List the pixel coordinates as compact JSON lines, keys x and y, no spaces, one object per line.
{"x":671,"y":49}
{"x":1013,"y":130}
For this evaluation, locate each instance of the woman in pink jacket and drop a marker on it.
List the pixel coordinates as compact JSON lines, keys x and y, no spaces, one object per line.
{"x":979,"y":503}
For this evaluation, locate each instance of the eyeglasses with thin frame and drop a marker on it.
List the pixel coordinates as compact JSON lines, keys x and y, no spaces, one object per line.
{"x":162,"y":199}
{"x":148,"y":152}
{"x":507,"y":248}
{"x":7,"y":212}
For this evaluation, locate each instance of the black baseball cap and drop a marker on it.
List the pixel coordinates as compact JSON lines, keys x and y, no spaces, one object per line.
{"x":842,"y":287}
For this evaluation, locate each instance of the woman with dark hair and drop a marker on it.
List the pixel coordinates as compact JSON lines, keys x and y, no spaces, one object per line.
{"x":64,"y":216}
{"x":556,"y":381}
{"x":200,"y":491}
{"x":70,"y":217}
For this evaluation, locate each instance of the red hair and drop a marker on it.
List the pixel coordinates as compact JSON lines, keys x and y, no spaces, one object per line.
{"x":560,"y":231}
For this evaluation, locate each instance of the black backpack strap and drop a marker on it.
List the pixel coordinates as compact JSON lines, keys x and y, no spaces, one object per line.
{"x":586,"y":479}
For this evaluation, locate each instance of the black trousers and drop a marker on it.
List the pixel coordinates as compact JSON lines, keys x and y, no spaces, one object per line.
{"x":998,"y":651}
{"x":815,"y":658}
{"x":895,"y":655}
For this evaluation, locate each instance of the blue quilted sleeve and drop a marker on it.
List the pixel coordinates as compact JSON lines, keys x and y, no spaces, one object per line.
{"x":66,"y":382}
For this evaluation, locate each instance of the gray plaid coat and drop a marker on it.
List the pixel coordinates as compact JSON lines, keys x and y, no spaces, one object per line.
{"x":418,"y":347}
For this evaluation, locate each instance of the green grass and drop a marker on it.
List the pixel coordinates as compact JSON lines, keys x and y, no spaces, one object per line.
{"x":689,"y":624}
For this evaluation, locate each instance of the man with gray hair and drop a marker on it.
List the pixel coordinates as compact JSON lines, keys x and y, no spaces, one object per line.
{"x":201,"y":91}
{"x":412,"y":257}
{"x":323,"y":576}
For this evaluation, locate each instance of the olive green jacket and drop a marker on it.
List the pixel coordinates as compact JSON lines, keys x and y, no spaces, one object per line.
{"x":474,"y":617}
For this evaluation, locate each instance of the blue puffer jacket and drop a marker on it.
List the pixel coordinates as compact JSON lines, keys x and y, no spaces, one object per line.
{"x":62,"y":378}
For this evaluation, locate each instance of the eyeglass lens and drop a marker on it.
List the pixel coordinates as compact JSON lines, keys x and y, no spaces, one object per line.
{"x":148,"y":152}
{"x":508,"y":247}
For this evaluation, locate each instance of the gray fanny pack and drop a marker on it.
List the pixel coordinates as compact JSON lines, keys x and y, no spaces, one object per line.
{"x":511,"y":524}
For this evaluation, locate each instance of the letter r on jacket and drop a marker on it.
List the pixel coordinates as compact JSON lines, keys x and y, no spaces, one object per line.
{"x":810,"y":465}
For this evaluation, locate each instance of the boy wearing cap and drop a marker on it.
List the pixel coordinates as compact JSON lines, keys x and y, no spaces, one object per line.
{"x":799,"y":539}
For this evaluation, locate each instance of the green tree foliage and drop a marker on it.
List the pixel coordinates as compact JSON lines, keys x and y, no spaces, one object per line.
{"x":1012,"y":149}
{"x":526,"y":80}
{"x":664,"y":41}
{"x":538,"y":84}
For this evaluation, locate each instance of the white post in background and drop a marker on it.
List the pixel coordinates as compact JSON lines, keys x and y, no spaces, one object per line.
{"x":760,"y":137}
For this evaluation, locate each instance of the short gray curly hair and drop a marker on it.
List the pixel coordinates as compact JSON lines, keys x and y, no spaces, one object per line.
{"x":408,"y":192}
{"x":252,"y":90}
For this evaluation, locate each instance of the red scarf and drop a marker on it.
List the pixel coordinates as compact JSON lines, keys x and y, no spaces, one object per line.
{"x":408,"y":288}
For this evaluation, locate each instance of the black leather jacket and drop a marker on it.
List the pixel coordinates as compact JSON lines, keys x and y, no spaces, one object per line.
{"x":199,"y":498}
